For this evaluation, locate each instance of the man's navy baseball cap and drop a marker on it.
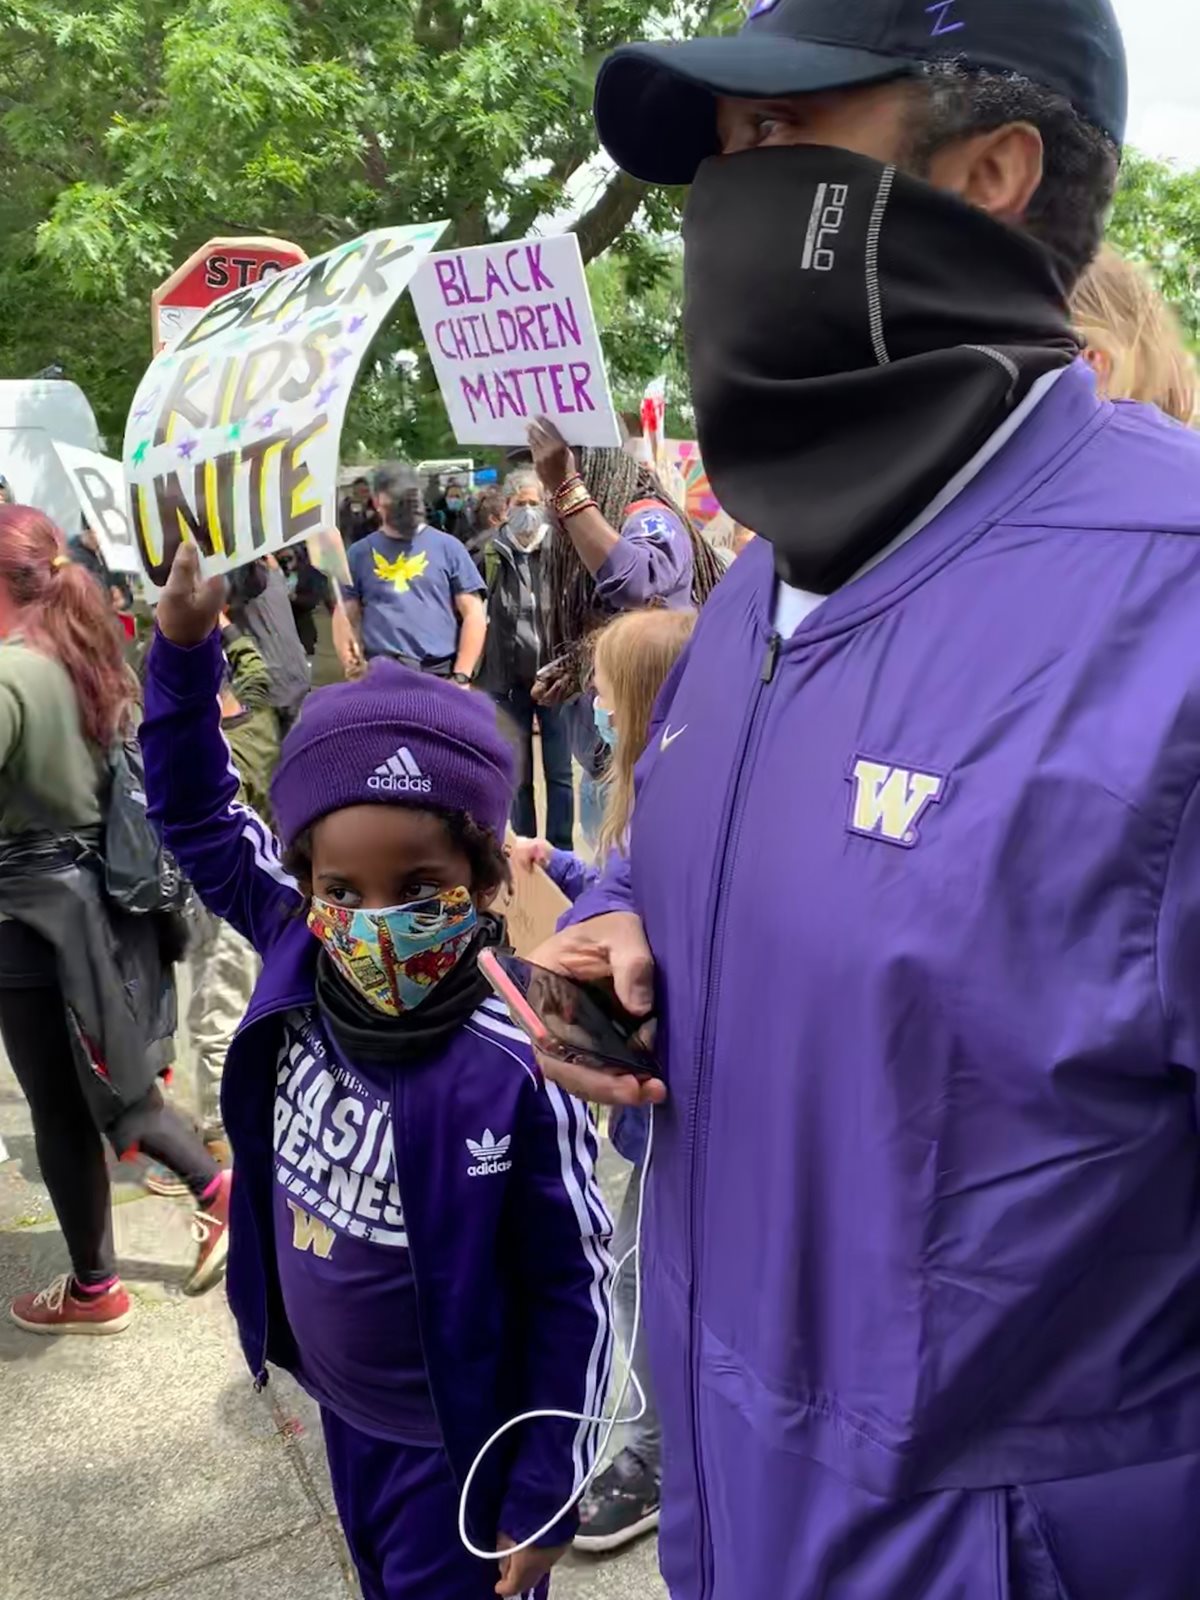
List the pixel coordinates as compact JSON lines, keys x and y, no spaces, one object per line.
{"x":655,"y":103}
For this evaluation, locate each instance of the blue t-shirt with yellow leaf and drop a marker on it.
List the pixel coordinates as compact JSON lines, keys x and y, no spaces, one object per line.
{"x":407,"y":590}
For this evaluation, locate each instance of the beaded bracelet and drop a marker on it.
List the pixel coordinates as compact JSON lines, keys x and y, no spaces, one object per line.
{"x":577,"y":497}
{"x":567,"y":487}
{"x":573,"y":510}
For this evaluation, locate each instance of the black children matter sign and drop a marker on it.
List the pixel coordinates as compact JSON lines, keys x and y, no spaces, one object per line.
{"x":234,"y":433}
{"x":509,"y":329}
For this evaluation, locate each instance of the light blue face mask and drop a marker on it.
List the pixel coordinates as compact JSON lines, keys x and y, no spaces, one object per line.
{"x":604,"y":725}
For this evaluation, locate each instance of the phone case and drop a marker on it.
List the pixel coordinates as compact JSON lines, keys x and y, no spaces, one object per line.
{"x":519,"y":1009}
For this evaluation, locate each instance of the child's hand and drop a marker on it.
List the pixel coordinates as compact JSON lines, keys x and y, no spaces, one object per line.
{"x":529,"y":853}
{"x":190,"y":604}
{"x":527,"y":1568}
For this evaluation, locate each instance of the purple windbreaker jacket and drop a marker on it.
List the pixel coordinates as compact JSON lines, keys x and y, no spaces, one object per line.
{"x":922,"y":1256}
{"x":512,"y":1269}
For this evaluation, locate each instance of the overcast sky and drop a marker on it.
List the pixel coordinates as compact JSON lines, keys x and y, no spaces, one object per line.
{"x":1162,"y":38}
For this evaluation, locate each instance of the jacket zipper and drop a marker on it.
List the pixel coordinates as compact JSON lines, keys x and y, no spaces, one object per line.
{"x":697,"y":1122}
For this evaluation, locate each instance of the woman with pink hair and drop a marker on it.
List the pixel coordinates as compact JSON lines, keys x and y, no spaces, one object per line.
{"x":85,"y":987}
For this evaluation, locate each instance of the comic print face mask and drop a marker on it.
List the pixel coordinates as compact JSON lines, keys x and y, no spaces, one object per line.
{"x":396,"y":957}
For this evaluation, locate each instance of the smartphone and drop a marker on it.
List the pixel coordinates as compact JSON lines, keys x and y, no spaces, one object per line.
{"x":572,"y":1020}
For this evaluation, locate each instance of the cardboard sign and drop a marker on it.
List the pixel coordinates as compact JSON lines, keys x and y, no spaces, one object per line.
{"x":234,"y":432}
{"x":217,"y":268}
{"x":327,"y":552}
{"x":510,"y":332}
{"x":532,"y":909}
{"x":99,"y":486}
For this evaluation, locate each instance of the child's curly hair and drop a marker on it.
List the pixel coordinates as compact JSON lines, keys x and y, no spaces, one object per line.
{"x":490,"y":870}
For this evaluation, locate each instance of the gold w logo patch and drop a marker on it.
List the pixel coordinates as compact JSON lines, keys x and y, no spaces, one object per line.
{"x":889,"y":802}
{"x":401,"y":572}
{"x":310,"y":1233}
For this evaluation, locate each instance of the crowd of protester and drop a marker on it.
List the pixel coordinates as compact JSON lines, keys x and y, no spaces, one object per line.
{"x":883,"y":807}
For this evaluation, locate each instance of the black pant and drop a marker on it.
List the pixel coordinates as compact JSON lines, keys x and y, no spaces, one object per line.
{"x":70,"y":1149}
{"x":556,"y":765}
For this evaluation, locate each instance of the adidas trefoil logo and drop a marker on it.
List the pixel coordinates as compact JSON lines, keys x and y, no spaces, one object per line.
{"x":400,"y":774}
{"x":487,"y":1155}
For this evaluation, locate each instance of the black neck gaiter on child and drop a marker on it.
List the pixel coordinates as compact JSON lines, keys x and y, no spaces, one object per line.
{"x":362,"y":1032}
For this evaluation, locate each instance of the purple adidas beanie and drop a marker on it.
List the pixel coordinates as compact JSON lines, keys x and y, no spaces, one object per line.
{"x":394,"y":737}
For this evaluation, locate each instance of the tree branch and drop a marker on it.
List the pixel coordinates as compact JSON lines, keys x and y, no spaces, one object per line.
{"x":611,"y":214}
{"x":375,"y":162}
{"x":563,"y":169}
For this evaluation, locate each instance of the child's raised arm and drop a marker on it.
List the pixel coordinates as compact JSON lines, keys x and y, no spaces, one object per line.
{"x":225,"y":849}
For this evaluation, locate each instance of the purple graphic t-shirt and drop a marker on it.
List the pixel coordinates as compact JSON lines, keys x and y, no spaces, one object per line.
{"x":340,"y":1242}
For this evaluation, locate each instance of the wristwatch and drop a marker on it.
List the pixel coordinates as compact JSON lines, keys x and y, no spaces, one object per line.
{"x":460,"y":677}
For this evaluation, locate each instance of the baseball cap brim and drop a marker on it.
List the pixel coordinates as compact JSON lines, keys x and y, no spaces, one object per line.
{"x":656,"y":103}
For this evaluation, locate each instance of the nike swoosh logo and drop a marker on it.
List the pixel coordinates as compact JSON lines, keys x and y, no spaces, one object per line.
{"x":669,"y":738}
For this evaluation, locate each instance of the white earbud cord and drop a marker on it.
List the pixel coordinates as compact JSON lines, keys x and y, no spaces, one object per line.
{"x":610,"y":1422}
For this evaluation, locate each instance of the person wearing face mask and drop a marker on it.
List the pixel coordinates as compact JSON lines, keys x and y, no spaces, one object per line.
{"x":913,"y":878}
{"x":415,"y":594}
{"x":452,"y":511}
{"x":419,"y":1238}
{"x":515,"y":566}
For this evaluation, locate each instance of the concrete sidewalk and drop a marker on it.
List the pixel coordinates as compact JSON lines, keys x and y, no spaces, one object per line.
{"x":145,"y":1464}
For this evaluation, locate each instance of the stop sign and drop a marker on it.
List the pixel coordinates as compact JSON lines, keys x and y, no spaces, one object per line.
{"x":215,"y":269}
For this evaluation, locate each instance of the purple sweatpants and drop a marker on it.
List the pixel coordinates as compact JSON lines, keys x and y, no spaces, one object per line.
{"x":399,"y":1509}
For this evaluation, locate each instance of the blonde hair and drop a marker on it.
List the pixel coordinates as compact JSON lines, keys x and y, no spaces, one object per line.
{"x":635,"y":652}
{"x":1119,"y":313}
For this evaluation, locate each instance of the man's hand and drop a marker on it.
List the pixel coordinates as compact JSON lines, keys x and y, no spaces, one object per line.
{"x":526,"y":1569}
{"x":613,"y":946}
{"x":191,"y":604}
{"x":553,"y":458}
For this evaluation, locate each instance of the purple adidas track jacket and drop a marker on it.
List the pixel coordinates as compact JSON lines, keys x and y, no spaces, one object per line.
{"x":511,"y":1263}
{"x":922,"y":1255}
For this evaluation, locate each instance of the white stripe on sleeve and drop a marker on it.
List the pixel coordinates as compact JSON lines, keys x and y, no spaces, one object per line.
{"x":571,"y":1147}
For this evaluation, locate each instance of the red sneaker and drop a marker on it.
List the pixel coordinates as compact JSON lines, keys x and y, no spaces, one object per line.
{"x":53,"y":1310}
{"x":210,"y":1228}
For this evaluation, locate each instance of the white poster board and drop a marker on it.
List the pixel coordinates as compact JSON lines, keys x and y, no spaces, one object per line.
{"x":234,"y":432}
{"x":99,"y":485}
{"x":510,"y":331}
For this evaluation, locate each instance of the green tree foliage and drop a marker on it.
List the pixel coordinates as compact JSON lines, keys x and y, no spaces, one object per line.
{"x":1156,"y":220}
{"x":637,"y":292}
{"x":133,"y":130}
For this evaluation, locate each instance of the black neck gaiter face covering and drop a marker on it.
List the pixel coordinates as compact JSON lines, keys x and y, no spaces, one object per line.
{"x":854,"y":337}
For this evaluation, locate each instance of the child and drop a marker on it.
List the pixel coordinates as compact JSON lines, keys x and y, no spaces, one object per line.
{"x":1132,"y":338}
{"x":416,"y":1232}
{"x":633,"y":657}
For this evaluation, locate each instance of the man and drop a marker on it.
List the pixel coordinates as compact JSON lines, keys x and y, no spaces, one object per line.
{"x":915,"y":869}
{"x":259,"y":604}
{"x":415,"y":594}
{"x":357,"y":516}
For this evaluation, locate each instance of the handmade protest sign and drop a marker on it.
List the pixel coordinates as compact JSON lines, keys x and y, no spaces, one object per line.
{"x":233,"y":436}
{"x":531,"y":909}
{"x":510,"y":331}
{"x":99,"y":486}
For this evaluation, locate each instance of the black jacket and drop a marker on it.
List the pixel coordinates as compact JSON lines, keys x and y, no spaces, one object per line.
{"x":516,"y":608}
